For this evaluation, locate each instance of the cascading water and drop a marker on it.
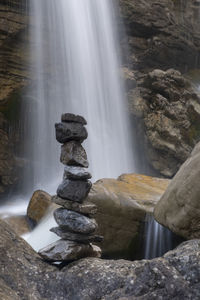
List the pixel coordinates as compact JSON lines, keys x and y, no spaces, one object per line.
{"x":158,"y":239}
{"x":76,"y":69}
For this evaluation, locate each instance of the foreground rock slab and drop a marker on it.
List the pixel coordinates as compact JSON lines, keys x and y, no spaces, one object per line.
{"x":179,"y":207}
{"x":122,"y":206}
{"x":23,"y":273}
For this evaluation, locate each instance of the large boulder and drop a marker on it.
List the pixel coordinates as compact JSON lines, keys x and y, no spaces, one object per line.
{"x":179,"y":207}
{"x":25,"y":276}
{"x":122,"y":206}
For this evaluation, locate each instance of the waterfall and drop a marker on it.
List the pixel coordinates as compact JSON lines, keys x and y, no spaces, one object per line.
{"x":76,"y":68}
{"x":158,"y":239}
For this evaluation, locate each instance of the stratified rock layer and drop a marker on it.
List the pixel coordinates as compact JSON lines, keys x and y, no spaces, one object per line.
{"x":23,"y":273}
{"x":179,"y":207}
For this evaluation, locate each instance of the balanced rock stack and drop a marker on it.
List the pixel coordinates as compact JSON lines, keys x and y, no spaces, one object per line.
{"x":76,"y":225}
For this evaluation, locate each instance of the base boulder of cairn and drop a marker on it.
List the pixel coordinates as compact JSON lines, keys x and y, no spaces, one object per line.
{"x":75,"y":217}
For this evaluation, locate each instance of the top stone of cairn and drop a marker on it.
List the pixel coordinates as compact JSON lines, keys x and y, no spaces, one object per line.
{"x":73,"y":118}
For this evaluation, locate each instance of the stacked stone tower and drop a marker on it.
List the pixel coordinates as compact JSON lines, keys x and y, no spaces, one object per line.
{"x":76,"y":226}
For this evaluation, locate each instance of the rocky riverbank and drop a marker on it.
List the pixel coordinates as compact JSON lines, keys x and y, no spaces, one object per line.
{"x":24,"y":275}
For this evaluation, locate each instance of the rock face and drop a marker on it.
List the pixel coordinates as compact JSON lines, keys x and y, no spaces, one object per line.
{"x":174,"y":276}
{"x":161,"y":35}
{"x":38,"y":206}
{"x":122,"y":205}
{"x":14,"y":77}
{"x":169,"y":111}
{"x":179,"y":207}
{"x":76,"y":227}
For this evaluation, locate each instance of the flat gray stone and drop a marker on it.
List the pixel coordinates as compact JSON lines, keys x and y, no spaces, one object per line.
{"x":66,"y":132}
{"x":86,"y":208}
{"x":63,"y":250}
{"x":74,"y":222}
{"x":73,"y":154}
{"x":76,"y":173}
{"x":81,"y":238}
{"x":74,"y":190}
{"x":73,"y":118}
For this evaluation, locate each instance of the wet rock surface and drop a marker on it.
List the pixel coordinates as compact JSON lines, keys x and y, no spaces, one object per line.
{"x":23,"y":273}
{"x":73,"y":118}
{"x":66,"y":132}
{"x":179,"y":207}
{"x":76,"y":173}
{"x":73,"y":154}
{"x":74,"y":190}
{"x":82,"y":238}
{"x":86,"y":208}
{"x":74,"y":222}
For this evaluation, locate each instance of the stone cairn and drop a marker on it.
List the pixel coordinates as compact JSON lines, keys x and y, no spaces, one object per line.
{"x":76,"y":226}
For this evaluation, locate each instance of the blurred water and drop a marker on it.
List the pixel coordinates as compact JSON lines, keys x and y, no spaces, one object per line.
{"x":158,"y":239}
{"x":76,"y":68}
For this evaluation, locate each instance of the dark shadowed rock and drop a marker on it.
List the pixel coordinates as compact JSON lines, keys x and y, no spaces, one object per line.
{"x":67,"y":251}
{"x":86,"y":208}
{"x":76,"y":173}
{"x":74,"y":190}
{"x":82,"y":238}
{"x":23,"y":273}
{"x":73,"y":154}
{"x":66,"y":132}
{"x":73,"y":118}
{"x":74,"y":222}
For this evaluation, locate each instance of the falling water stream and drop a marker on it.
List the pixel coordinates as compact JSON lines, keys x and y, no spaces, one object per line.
{"x":76,"y":68}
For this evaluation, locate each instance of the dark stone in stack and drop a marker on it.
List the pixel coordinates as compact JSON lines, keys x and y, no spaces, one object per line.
{"x":76,"y":225}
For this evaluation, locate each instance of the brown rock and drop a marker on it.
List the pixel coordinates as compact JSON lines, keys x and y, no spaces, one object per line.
{"x":121,"y":208}
{"x":19,"y":224}
{"x":179,"y":207}
{"x":38,"y":206}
